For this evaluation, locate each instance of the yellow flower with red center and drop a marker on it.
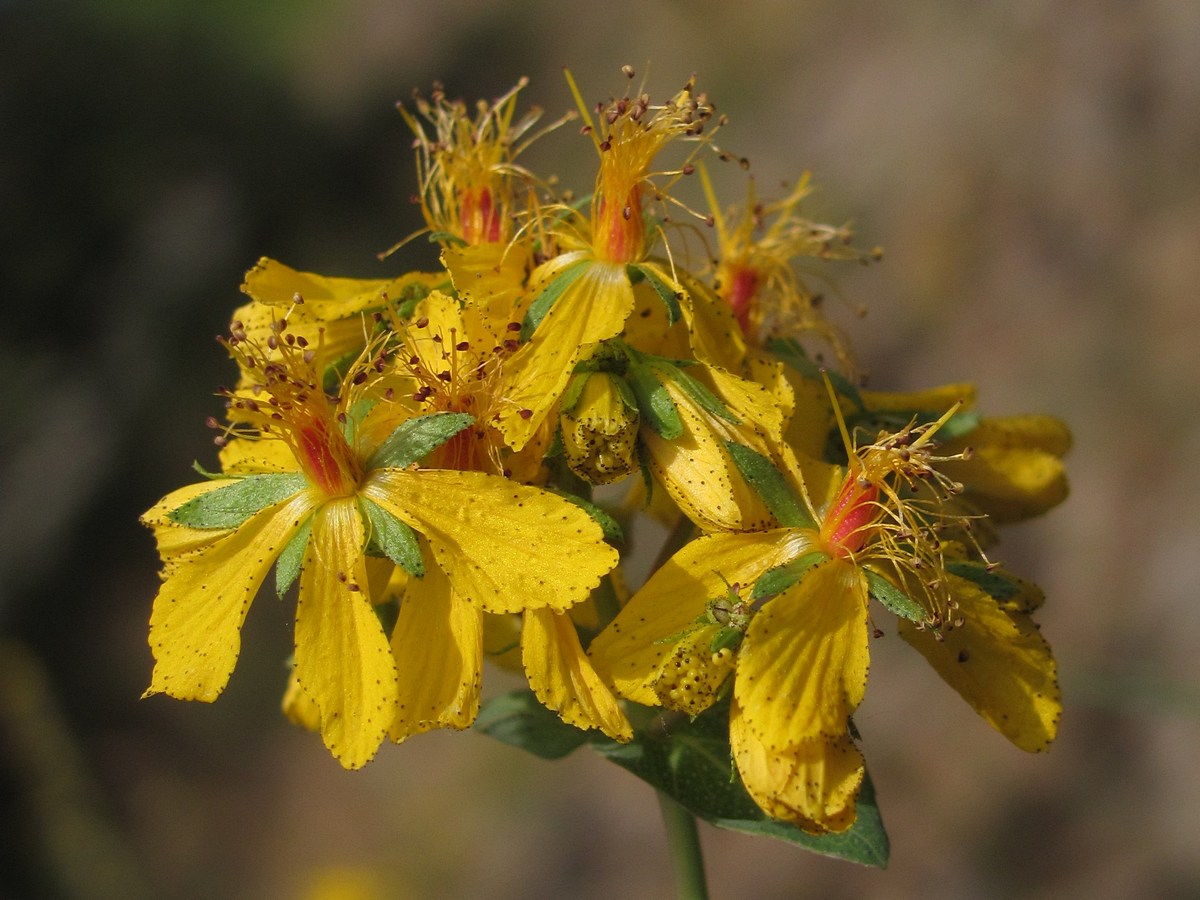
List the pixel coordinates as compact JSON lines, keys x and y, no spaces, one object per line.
{"x":758,"y":248}
{"x":585,"y":295}
{"x":801,"y":655}
{"x":471,"y":542}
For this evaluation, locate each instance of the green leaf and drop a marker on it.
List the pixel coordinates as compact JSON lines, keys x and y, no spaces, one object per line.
{"x":894,"y":598}
{"x":520,"y":720}
{"x":779,"y":579}
{"x":704,"y":398}
{"x":690,"y":761}
{"x":287,"y":566}
{"x":654,"y":402}
{"x":666,"y":293}
{"x":866,"y":842}
{"x":395,"y":538}
{"x":416,"y":438}
{"x":549,"y":295}
{"x":230,"y":506}
{"x":762,"y":475}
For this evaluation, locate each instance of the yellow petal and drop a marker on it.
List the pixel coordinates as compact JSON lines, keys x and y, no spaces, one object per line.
{"x":195,"y":627}
{"x":628,"y":653}
{"x":1014,"y":471}
{"x":249,"y":457}
{"x":698,"y":473}
{"x":813,"y":785}
{"x":802,"y":668}
{"x":1000,"y":664}
{"x":504,"y":546}
{"x":271,"y":283}
{"x":592,"y":309}
{"x":716,"y":337}
{"x":299,"y":707}
{"x":488,"y":276}
{"x":343,"y":661}
{"x":178,"y":542}
{"x":937,"y":399}
{"x":562,"y":678}
{"x":438,"y":646}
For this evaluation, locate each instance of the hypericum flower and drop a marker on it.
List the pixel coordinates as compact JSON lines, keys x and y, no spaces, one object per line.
{"x":585,"y":295}
{"x":451,"y":357}
{"x":472,"y":542}
{"x":800,"y":645}
{"x":756,"y":266}
{"x":467,"y":167}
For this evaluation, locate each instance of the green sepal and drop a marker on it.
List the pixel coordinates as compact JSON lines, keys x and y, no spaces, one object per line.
{"x":997,"y":586}
{"x":287,"y":565}
{"x":894,"y":598}
{"x":777,"y":580}
{"x":445,"y":237}
{"x":762,"y":475}
{"x":574,"y":390}
{"x":611,"y":528}
{"x":395,"y":539}
{"x":1013,"y":594}
{"x":689,"y":760}
{"x":549,"y":295}
{"x":669,"y":296}
{"x":410,"y":296}
{"x":230,"y":506}
{"x":726,"y":637}
{"x":518,"y":719}
{"x":654,"y":402}
{"x":416,"y":438}
{"x":211,"y":476}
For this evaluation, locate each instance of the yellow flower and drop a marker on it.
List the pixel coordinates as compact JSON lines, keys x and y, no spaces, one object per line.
{"x":756,"y":252}
{"x":452,"y":357}
{"x":472,"y":542}
{"x":585,"y":295}
{"x":801,"y":654}
{"x":466,"y":166}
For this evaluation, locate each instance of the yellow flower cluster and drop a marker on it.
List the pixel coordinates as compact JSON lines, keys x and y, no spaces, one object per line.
{"x":418,"y":455}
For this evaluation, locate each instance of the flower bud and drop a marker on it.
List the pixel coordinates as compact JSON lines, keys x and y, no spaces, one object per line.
{"x":600,"y":429}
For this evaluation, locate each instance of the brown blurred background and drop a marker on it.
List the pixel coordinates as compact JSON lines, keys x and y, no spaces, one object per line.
{"x":1030,"y":168}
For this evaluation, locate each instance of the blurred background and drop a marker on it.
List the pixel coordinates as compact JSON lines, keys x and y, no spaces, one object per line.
{"x":1029,"y":167}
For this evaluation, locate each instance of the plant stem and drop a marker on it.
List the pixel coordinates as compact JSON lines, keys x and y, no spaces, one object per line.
{"x":686,"y":853}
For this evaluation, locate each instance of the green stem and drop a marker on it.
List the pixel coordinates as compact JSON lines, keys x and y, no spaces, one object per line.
{"x":686,"y":853}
